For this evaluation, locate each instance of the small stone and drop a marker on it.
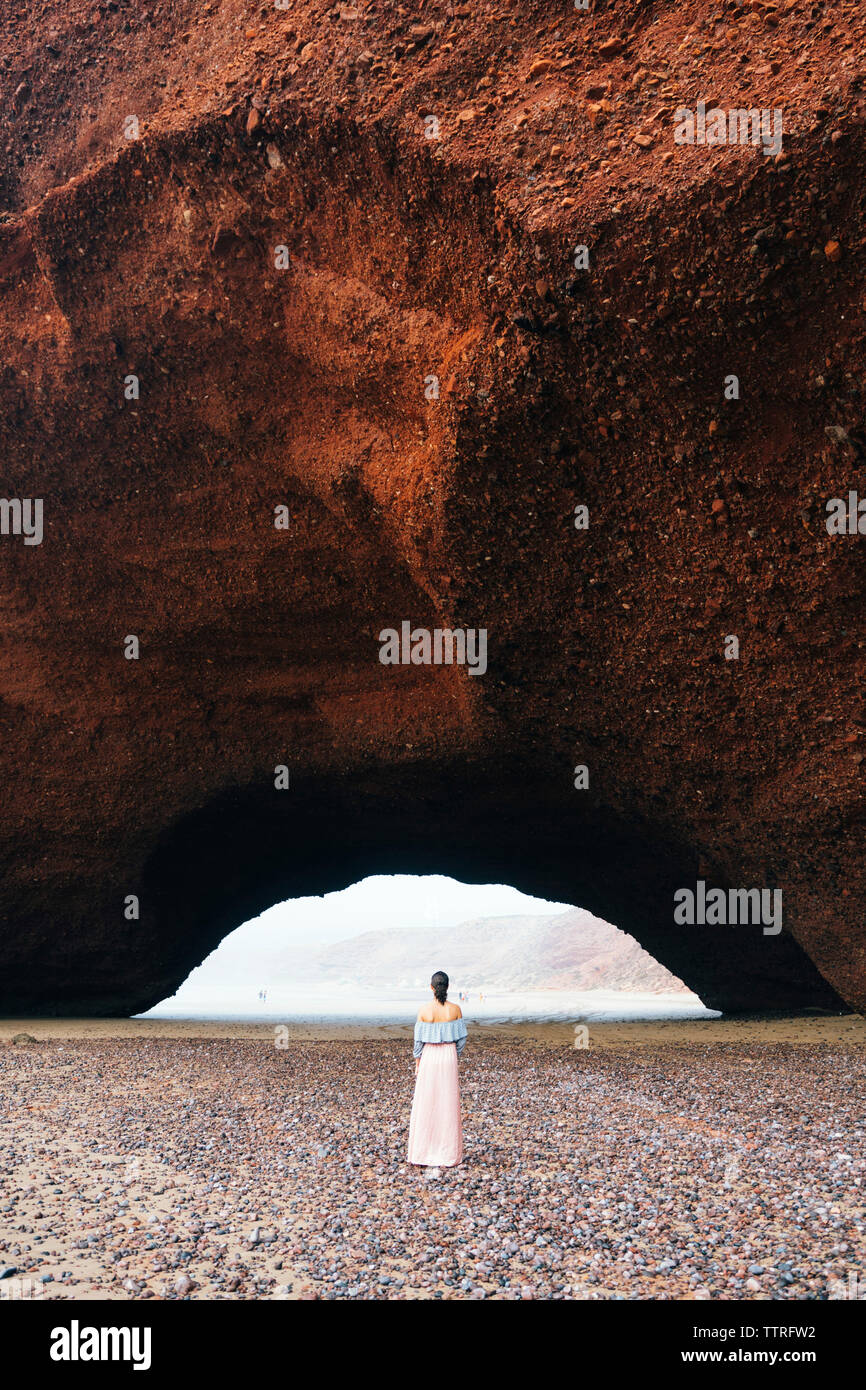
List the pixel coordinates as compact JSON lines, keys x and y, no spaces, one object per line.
{"x":610,"y":48}
{"x":539,"y":68}
{"x":833,"y":251}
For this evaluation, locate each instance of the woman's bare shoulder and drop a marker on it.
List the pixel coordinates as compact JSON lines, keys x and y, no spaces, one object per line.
{"x":454,"y":1011}
{"x":424,"y":1014}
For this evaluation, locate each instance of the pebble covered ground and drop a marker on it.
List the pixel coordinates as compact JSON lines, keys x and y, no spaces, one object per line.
{"x":231,"y":1169}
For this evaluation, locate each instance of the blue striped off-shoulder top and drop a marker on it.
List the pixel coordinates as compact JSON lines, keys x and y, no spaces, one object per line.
{"x":449,"y":1030}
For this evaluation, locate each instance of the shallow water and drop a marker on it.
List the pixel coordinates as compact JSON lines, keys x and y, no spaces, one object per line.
{"x":401,"y":1006}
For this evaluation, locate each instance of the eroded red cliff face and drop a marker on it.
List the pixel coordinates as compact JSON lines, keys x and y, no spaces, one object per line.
{"x":409,"y":258}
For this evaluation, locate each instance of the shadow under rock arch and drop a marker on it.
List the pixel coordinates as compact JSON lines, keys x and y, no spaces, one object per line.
{"x":251,"y":847}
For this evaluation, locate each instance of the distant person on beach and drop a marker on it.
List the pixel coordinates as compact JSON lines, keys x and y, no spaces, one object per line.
{"x":435,"y":1128}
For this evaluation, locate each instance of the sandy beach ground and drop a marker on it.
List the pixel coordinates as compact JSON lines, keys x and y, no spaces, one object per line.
{"x":702,"y":1159}
{"x":845,"y":1030}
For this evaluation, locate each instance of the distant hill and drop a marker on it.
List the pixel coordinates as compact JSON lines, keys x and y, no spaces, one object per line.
{"x":571,"y":950}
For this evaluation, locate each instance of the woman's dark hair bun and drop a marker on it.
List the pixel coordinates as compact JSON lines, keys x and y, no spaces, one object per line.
{"x":440,"y":986}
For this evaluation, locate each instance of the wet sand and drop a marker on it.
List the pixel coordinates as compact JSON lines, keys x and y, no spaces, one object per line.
{"x":708,"y":1159}
{"x":798,"y":1030}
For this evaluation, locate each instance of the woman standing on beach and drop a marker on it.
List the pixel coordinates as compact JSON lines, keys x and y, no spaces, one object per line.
{"x":435,"y":1129}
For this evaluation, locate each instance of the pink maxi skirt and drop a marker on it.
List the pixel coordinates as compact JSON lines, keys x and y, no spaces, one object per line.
{"x":435,"y":1130}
